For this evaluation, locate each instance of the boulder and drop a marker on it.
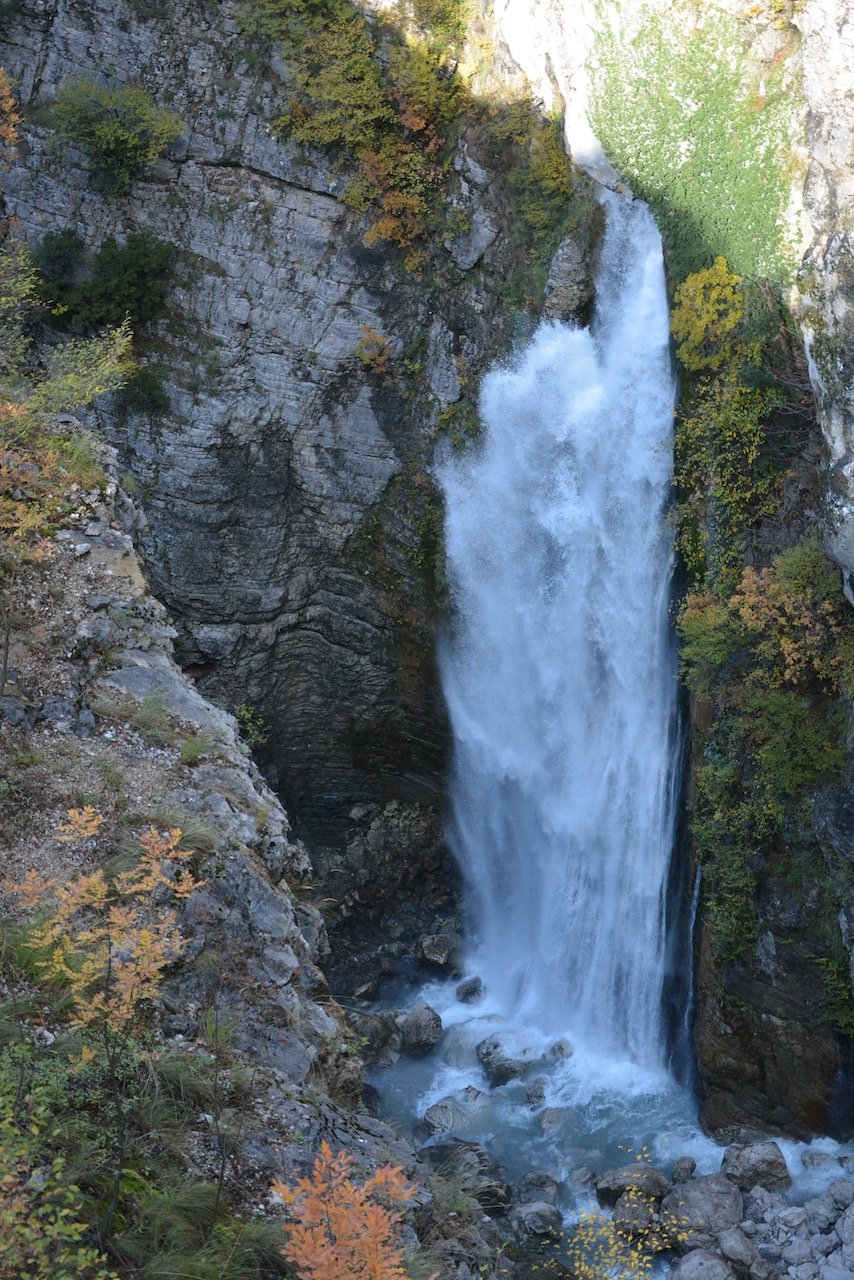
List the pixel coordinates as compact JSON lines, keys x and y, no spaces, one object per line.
{"x":535,"y":1091}
{"x":683,"y":1170}
{"x":615,"y":1182}
{"x":633,"y":1213}
{"x":701,"y":1264}
{"x":503,"y":1062}
{"x":441,"y":951}
{"x":551,"y":1118}
{"x":756,"y":1164}
{"x":738,"y":1250}
{"x":537,"y":1187}
{"x":421,"y":1029}
{"x":470,"y":990}
{"x":701,"y":1209}
{"x":537,"y":1218}
{"x":452,"y":1113}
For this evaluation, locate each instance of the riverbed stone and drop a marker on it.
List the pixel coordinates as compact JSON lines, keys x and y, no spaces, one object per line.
{"x":470,"y":990}
{"x":738,"y":1250}
{"x":683,"y":1169}
{"x":536,"y":1186}
{"x":702,"y":1264}
{"x":537,"y":1218}
{"x":647,"y":1180}
{"x":503,"y":1062}
{"x":421,"y":1029}
{"x":703,"y":1208}
{"x":756,"y":1164}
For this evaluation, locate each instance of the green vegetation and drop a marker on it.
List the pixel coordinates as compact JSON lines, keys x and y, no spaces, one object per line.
{"x":86,"y":292}
{"x":121,"y":129}
{"x":386,"y":103}
{"x":773,"y":658}
{"x":94,"y":1160}
{"x":698,"y":126}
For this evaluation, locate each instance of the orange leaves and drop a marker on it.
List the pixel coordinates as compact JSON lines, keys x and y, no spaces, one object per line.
{"x":82,"y":824}
{"x":342,"y":1233}
{"x":110,"y":941}
{"x":10,"y":118}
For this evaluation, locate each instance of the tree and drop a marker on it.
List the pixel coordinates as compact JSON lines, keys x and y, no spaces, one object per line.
{"x":707,"y":307}
{"x":341,"y":1232}
{"x":122,"y":129}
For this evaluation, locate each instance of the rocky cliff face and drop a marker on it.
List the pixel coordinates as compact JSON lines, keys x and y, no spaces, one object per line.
{"x":827,"y":53}
{"x":293,"y":527}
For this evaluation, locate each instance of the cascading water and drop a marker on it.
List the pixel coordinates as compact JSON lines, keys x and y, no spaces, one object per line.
{"x":559,"y":674}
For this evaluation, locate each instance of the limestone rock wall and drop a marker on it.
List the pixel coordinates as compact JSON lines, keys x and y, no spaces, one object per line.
{"x":292,"y":523}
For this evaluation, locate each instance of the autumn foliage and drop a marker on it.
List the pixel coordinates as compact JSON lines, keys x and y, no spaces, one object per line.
{"x":109,"y":940}
{"x":340,"y":1230}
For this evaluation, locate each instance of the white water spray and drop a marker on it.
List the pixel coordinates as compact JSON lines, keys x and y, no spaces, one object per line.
{"x":559,"y":674}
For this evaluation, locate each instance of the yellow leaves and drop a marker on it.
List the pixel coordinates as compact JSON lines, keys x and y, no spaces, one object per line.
{"x":708,"y":306}
{"x":82,"y":824}
{"x":340,"y":1231}
{"x":109,"y":942}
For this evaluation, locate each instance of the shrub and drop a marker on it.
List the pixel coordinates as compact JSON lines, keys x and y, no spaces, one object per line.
{"x":40,"y":1228}
{"x":707,"y":307}
{"x":89,"y":292}
{"x":9,"y":116}
{"x":341,"y":1232}
{"x":122,"y":129}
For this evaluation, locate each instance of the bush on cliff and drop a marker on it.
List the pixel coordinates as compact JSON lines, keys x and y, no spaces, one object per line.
{"x":122,"y":129}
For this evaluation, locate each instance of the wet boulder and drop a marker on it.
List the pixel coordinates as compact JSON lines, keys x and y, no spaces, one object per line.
{"x":537,"y":1218}
{"x":451,"y":1114}
{"x":702,"y":1264}
{"x":683,"y":1169}
{"x":756,"y":1164}
{"x":421,"y":1030}
{"x":470,"y":990}
{"x":537,"y":1187}
{"x":648,"y":1181}
{"x":701,"y":1209}
{"x":502,"y":1061}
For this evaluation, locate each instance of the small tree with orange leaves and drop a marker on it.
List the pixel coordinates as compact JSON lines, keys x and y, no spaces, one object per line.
{"x":108,"y":942}
{"x":341,"y":1231}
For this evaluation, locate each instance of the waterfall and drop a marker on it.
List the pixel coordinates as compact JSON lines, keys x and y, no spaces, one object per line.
{"x":559,"y":667}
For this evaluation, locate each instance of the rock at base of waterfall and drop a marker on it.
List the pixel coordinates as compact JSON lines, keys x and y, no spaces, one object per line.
{"x":470,"y":990}
{"x":421,"y":1029}
{"x":683,"y":1169}
{"x":535,"y":1092}
{"x":537,"y":1187}
{"x":537,"y":1218}
{"x":451,"y":1114}
{"x":756,"y":1164}
{"x":701,"y":1264}
{"x":738,"y":1250}
{"x":503,"y":1062}
{"x":441,"y":951}
{"x":703,"y":1208}
{"x":583,"y":1176}
{"x":552,"y":1118}
{"x":648,"y":1181}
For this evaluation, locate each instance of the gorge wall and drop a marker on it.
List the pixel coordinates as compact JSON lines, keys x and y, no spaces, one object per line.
{"x":293,"y":528}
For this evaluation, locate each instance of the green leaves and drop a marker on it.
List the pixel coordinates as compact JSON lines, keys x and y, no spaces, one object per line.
{"x":122,"y":129}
